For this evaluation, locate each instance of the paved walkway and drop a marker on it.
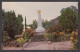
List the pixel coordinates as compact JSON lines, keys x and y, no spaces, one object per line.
{"x":66,"y":45}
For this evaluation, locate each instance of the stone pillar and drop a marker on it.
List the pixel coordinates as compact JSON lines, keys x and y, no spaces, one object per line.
{"x":40,"y":29}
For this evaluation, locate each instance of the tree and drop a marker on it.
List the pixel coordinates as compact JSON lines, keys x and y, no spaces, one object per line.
{"x":62,"y":10}
{"x":71,"y":7}
{"x":20,"y":18}
{"x":68,"y":19}
{"x":10,"y":24}
{"x":31,"y":26}
{"x":45,"y":23}
{"x":34,"y":24}
{"x":20,"y":25}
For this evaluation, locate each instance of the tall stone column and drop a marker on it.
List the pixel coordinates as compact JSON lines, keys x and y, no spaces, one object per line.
{"x":39,"y":32}
{"x":39,"y":20}
{"x":40,"y":28}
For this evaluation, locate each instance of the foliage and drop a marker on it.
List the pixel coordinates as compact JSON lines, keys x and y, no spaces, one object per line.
{"x":5,"y":36}
{"x":48,"y":36}
{"x":61,"y":33}
{"x":45,"y":23}
{"x":34,"y":24}
{"x":56,"y":32}
{"x":19,"y":17}
{"x":27,"y":34}
{"x":54,"y":28}
{"x":62,"y":10}
{"x":74,"y":39}
{"x":11,"y":24}
{"x":20,"y":25}
{"x":68,"y":31}
{"x":57,"y":36}
{"x":71,"y":7}
{"x":54,"y":36}
{"x":68,"y":19}
{"x":31,"y":26}
{"x":20,"y":40}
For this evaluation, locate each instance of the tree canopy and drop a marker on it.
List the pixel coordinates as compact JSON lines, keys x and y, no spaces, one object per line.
{"x":68,"y":19}
{"x":11,"y":24}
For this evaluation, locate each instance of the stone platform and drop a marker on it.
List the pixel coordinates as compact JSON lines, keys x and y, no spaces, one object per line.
{"x":38,"y":37}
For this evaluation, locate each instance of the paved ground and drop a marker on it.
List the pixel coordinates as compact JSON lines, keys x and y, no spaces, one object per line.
{"x":66,"y":45}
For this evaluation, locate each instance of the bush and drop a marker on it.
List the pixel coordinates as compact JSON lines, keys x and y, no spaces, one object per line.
{"x":74,"y":39}
{"x":48,"y":36}
{"x":20,"y":42}
{"x":61,"y":33}
{"x":68,"y":31}
{"x":45,"y":35}
{"x":68,"y":19}
{"x":56,"y":32}
{"x":11,"y":24}
{"x":54,"y":36}
{"x":27,"y":34}
{"x":54,"y":28}
{"x":5,"y":36}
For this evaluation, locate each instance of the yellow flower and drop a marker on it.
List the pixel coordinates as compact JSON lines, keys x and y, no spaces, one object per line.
{"x":76,"y":33}
{"x":46,"y":35}
{"x":21,"y":38}
{"x":73,"y":32}
{"x":67,"y":29}
{"x":75,"y":40}
{"x":61,"y":33}
{"x":53,"y":33}
{"x":71,"y":38}
{"x":18,"y":40}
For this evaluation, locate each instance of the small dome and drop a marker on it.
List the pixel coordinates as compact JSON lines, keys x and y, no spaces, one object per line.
{"x":39,"y":11}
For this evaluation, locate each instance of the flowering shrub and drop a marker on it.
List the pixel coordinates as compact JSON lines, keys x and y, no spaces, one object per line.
{"x":48,"y":36}
{"x":27,"y":34}
{"x":61,"y":33}
{"x":54,"y":36}
{"x":23,"y":33}
{"x":68,"y":31}
{"x":54,"y":28}
{"x":5,"y":36}
{"x":20,"y":40}
{"x":54,"y":33}
{"x":74,"y":39}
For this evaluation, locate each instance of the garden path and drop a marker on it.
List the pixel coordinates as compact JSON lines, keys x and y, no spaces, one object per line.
{"x":44,"y":45}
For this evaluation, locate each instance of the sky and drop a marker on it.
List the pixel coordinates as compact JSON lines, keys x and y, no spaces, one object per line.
{"x":49,"y":10}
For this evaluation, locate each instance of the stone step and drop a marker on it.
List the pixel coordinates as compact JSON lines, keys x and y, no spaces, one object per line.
{"x":37,"y":38}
